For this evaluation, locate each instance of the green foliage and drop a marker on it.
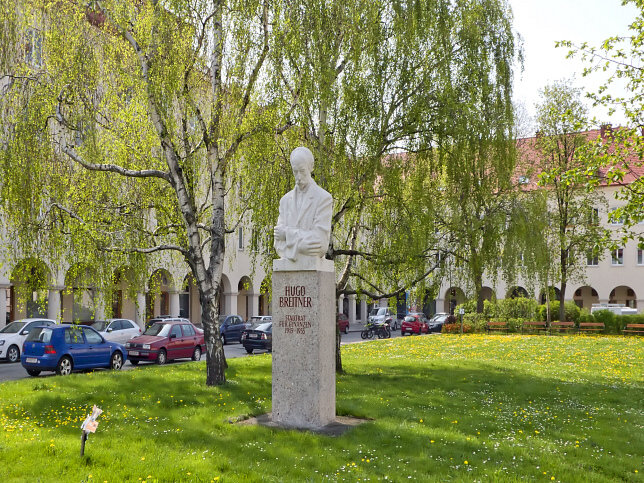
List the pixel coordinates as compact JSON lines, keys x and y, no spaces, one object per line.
{"x":621,"y":56}
{"x":609,"y":319}
{"x":565,"y":229}
{"x":585,"y":316}
{"x":572,"y":312}
{"x":475,"y":320}
{"x":520,"y":307}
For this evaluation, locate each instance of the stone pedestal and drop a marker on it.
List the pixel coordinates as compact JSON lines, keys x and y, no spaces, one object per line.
{"x":303,"y":343}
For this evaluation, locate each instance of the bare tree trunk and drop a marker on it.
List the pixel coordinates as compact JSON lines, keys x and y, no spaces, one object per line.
{"x":215,"y":357}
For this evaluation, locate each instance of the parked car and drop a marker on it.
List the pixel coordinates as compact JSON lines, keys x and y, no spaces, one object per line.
{"x":437,"y":321}
{"x":414,"y":323}
{"x":380,"y":315}
{"x":165,"y":340}
{"x":117,"y":330}
{"x":258,"y":336}
{"x":231,"y":328}
{"x":343,"y":323}
{"x":64,"y":348}
{"x":14,"y":334}
{"x":258,"y":319}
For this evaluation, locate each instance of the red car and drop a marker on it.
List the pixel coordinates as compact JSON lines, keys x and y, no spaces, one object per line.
{"x":414,"y":323}
{"x":343,"y":323}
{"x":166,"y":339}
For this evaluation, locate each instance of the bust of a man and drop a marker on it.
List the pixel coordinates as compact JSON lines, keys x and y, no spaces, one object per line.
{"x":304,"y":223}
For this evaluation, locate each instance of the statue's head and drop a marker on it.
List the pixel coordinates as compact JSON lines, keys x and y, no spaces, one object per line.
{"x":302,"y":166}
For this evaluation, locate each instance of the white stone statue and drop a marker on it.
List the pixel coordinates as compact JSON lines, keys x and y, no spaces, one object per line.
{"x":304,"y":224}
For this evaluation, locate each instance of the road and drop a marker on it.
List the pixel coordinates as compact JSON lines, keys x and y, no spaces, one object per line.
{"x":11,"y":372}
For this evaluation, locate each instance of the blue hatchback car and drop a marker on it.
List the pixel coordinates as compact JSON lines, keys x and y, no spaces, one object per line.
{"x":65,"y":348}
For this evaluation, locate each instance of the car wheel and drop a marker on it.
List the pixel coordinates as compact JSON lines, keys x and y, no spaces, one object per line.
{"x":249,"y":350}
{"x":196,"y":355}
{"x":162,"y":357}
{"x":223,"y":339}
{"x":117,"y":361}
{"x":33,"y":372}
{"x":134,"y":363}
{"x":13,"y":354}
{"x":64,"y":367}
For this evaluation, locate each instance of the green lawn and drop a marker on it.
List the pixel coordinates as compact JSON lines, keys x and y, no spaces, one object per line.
{"x":461,"y":408}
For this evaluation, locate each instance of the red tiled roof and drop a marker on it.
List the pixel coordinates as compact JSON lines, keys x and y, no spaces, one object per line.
{"x":530,"y":163}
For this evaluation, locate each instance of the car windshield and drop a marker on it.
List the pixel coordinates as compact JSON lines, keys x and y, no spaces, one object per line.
{"x":378,"y":311}
{"x":99,"y":325}
{"x":410,"y":318}
{"x":13,"y":327}
{"x":161,"y":330}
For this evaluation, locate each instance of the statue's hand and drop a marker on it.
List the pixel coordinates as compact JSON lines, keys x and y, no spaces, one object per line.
{"x":279,"y":232}
{"x":310,"y":247}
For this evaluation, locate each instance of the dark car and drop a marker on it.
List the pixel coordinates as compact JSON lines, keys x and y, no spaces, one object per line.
{"x":231,"y":328}
{"x":65,"y":348}
{"x":167,"y":339}
{"x":437,"y":321}
{"x":343,"y":323}
{"x":258,"y":337}
{"x":414,"y":323}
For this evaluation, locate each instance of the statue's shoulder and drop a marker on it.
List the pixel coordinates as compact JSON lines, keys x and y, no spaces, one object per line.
{"x":321,"y":192}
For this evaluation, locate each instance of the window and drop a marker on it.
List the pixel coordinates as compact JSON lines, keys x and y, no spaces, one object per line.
{"x":614,"y":219}
{"x":640,"y":256}
{"x":592,"y":259}
{"x":92,"y":337}
{"x":188,"y":330}
{"x":240,"y":238}
{"x":176,"y":331}
{"x":33,"y":47}
{"x":593,"y":216}
{"x":618,"y":257}
{"x":73,"y":336}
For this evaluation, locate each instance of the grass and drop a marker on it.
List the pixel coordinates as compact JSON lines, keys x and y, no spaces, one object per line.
{"x":460,"y":408}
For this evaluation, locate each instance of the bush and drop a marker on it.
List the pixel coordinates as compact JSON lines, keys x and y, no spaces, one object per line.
{"x":586,"y":316}
{"x":609,"y":319}
{"x":456,"y":328}
{"x":518,"y":308}
{"x":572,"y":311}
{"x":476,"y":321}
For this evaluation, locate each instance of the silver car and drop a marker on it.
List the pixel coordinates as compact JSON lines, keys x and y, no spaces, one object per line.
{"x":117,"y":330}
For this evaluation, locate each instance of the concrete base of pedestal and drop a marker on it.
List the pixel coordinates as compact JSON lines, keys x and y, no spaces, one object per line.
{"x":337,"y":427}
{"x":303,"y":344}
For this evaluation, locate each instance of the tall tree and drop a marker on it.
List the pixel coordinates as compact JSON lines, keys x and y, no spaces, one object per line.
{"x":125,"y":135}
{"x":572,"y":211}
{"x":621,"y":160}
{"x":385,"y":88}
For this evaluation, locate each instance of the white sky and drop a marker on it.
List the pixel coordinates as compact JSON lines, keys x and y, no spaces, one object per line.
{"x":542,"y":22}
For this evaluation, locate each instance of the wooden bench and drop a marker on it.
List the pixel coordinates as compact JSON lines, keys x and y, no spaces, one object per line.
{"x":561,"y":326}
{"x":591,"y":327}
{"x":633,"y":329}
{"x":533,"y":326}
{"x":496,"y":326}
